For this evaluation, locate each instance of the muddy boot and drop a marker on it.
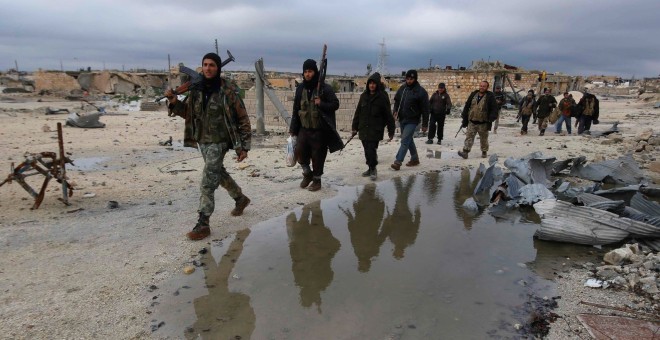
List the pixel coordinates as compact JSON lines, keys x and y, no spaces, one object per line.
{"x":430,"y":141}
{"x":241,"y":203}
{"x":484,"y":154}
{"x":542,"y":132}
{"x":374,"y":174}
{"x":413,"y":162}
{"x":396,"y":166}
{"x":316,"y":184}
{"x":307,"y":176}
{"x":367,"y":173}
{"x":201,"y":229}
{"x":463,"y":154}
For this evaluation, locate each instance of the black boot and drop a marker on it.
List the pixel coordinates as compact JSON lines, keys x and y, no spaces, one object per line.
{"x":307,"y":176}
{"x":374,"y":174}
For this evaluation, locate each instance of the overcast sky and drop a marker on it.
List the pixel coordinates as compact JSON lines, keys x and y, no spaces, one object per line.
{"x":574,"y":37}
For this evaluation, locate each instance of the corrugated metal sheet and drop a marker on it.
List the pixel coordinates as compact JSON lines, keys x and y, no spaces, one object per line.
{"x":645,"y":206}
{"x":558,"y":166}
{"x":531,"y":193}
{"x":623,"y":170}
{"x":564,"y":222}
{"x":541,"y":168}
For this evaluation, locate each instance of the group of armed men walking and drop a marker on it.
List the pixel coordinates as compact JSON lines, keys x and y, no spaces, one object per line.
{"x":216,"y":122}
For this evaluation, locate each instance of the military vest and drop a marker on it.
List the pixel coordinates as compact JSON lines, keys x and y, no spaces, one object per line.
{"x":210,"y":123}
{"x":527,"y":107}
{"x":589,"y":107}
{"x":478,"y":111}
{"x":309,"y":113}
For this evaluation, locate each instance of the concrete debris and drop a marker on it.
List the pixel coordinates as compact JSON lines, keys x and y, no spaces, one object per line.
{"x":645,"y":135}
{"x":86,"y":121}
{"x":471,"y":205}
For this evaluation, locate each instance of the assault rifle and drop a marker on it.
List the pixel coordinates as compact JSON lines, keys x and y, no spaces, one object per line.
{"x":459,"y":131}
{"x":322,"y":71}
{"x":195,"y":78}
{"x":319,"y":90}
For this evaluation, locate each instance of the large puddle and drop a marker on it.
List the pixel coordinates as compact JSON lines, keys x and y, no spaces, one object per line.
{"x":400,"y":259}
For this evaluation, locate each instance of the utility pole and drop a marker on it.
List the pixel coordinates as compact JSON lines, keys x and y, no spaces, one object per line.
{"x":430,"y":63}
{"x":16,"y":63}
{"x":61,"y":65}
{"x":169,"y":66}
{"x":259,"y":89}
{"x":216,"y":47}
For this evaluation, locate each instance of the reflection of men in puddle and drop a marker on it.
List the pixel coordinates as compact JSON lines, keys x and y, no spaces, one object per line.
{"x":312,"y":248}
{"x":364,"y":226}
{"x":432,"y":185}
{"x":223,"y":314}
{"x":464,"y":189}
{"x":402,"y":225}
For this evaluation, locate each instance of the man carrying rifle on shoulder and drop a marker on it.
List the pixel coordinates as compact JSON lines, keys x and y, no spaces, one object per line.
{"x":314,"y":122}
{"x":216,"y":122}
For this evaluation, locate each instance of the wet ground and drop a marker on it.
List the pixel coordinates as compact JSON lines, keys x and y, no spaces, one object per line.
{"x":400,"y":259}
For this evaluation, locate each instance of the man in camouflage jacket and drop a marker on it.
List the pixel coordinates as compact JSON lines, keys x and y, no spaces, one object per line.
{"x":216,"y":122}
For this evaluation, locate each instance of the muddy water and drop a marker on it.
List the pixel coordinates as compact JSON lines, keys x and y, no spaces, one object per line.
{"x":396,"y":260}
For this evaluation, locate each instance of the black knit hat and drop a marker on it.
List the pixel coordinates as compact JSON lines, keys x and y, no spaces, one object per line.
{"x":441,"y":85}
{"x":310,"y":64}
{"x":412,"y":74}
{"x":214,"y":57}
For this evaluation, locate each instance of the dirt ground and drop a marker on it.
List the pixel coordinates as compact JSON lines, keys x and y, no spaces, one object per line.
{"x":82,"y":271}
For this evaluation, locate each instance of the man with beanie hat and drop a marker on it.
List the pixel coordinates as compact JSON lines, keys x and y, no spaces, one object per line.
{"x":372,"y":114}
{"x":411,"y":104}
{"x":215,"y":122}
{"x":314,"y":123}
{"x":440,"y":105}
{"x":479,"y":112}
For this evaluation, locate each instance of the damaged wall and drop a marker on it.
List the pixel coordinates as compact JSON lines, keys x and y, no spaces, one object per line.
{"x":55,"y":81}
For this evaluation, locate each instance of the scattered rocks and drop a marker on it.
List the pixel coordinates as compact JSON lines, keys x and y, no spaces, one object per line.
{"x":188,"y":270}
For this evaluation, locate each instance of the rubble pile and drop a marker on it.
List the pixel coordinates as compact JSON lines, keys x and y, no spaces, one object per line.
{"x":631,"y":267}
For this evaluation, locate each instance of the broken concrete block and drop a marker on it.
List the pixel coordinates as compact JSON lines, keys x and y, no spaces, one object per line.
{"x":655,"y":141}
{"x":644,"y":135}
{"x":617,"y":256}
{"x":649,"y":285}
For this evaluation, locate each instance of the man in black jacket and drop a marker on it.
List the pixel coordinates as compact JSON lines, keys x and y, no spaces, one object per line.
{"x":314,"y":123}
{"x":372,"y":114}
{"x":545,"y":104}
{"x":411,"y":104}
{"x":479,"y":112}
{"x":589,"y":112}
{"x":440,"y":104}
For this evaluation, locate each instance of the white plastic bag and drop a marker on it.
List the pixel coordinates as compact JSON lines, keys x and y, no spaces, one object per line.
{"x":290,"y":151}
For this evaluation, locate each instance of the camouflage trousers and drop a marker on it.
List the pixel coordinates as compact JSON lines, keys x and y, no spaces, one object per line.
{"x":543,"y":123}
{"x":471,"y":133}
{"x":214,"y":175}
